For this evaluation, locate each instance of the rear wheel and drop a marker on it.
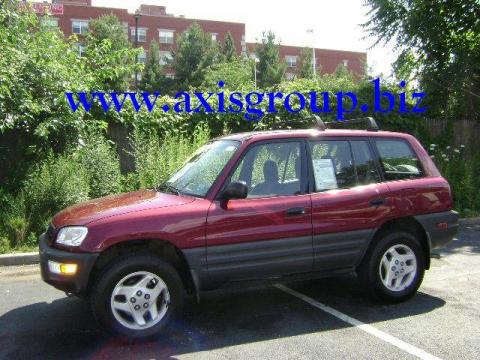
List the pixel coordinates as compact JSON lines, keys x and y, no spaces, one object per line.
{"x":136,"y":296}
{"x":393,"y":269}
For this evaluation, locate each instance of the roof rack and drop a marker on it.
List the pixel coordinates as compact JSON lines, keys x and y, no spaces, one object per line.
{"x":322,"y":126}
{"x":371,"y":123}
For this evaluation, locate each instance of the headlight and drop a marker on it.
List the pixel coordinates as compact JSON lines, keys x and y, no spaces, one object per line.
{"x":72,"y":235}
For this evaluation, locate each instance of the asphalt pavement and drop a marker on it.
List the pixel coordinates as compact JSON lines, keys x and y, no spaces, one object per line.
{"x":320,"y":319}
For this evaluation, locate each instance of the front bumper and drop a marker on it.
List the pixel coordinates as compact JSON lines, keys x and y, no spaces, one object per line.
{"x":76,"y":284}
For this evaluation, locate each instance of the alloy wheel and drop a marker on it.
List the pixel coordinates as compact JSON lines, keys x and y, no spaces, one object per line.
{"x":398,"y":267}
{"x":140,"y":300}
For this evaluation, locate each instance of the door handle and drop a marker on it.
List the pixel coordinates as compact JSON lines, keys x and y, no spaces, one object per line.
{"x":378,"y":202}
{"x":295,"y":211}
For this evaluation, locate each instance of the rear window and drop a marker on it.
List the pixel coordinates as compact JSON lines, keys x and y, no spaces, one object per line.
{"x":398,"y":160}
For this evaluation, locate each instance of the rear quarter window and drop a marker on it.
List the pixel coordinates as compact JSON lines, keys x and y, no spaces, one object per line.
{"x":398,"y":159}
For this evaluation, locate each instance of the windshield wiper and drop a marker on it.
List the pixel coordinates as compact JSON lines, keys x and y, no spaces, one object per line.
{"x":169,"y":188}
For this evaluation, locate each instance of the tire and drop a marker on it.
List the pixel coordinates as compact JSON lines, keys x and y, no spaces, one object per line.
{"x":136,"y":280}
{"x":403,"y":281}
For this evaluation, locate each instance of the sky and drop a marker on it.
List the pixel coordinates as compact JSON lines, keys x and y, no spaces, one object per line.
{"x":336,"y":23}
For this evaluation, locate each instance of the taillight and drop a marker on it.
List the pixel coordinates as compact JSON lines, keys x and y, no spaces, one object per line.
{"x":442,"y":225}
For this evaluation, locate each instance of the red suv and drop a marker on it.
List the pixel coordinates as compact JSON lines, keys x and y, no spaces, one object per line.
{"x":263,"y":205}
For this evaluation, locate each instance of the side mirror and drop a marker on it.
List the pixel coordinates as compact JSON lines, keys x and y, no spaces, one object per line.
{"x":235,"y":190}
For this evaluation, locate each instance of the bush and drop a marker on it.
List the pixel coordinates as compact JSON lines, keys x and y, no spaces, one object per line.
{"x":156,"y":160}
{"x":4,"y":244}
{"x":130,"y":182}
{"x":101,"y":163}
{"x":14,"y":222}
{"x":53,"y":185}
{"x":459,"y":171}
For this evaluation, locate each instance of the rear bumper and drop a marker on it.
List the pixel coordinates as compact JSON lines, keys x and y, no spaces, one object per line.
{"x":440,"y":227}
{"x":75,"y":284}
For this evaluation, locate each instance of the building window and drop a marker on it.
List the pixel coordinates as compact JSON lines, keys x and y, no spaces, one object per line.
{"x":49,"y":23}
{"x":166,"y":36}
{"x":80,"y":27}
{"x":165,"y":57}
{"x":291,"y":61}
{"x":142,"y":34}
{"x":214,"y":36}
{"x":142,"y":57}
{"x":345,"y":63}
{"x":170,"y":76}
{"x":80,"y":49}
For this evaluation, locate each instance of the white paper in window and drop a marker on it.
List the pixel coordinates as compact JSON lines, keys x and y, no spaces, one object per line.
{"x":324,"y":173}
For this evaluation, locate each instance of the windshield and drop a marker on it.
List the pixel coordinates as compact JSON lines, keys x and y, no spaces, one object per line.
{"x":198,"y":174}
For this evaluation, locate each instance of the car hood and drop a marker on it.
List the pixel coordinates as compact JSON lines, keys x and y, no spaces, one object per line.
{"x":84,"y":213}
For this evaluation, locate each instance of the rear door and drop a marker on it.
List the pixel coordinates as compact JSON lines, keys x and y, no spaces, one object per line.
{"x":270,"y":232}
{"x":348,"y":200}
{"x":405,"y":177}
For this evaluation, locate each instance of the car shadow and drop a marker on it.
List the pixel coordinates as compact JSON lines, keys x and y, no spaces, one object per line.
{"x":467,"y":242}
{"x":66,"y":327}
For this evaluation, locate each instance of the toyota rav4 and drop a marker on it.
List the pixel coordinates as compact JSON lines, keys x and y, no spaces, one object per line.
{"x":288,"y":204}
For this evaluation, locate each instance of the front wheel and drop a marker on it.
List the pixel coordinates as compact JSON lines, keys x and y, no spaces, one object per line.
{"x":393,"y":269}
{"x":136,"y":296}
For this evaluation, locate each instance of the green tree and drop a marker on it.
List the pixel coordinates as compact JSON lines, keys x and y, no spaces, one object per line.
{"x":108,"y":32}
{"x":195,"y":52}
{"x":108,"y":27}
{"x":342,"y":71}
{"x":270,"y":68}
{"x":438,"y":44}
{"x":237,"y":75}
{"x":153,"y":78}
{"x":305,"y":64}
{"x":229,"y":51}
{"x":36,"y":69}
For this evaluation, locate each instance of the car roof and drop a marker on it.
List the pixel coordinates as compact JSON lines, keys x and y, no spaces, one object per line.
{"x":308,"y":133}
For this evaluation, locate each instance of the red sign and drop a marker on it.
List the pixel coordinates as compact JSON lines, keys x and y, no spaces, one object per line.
{"x":46,"y":8}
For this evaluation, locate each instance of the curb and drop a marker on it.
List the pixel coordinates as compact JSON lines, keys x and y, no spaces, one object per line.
{"x":30,"y":258}
{"x":19,"y":259}
{"x":470,"y":221}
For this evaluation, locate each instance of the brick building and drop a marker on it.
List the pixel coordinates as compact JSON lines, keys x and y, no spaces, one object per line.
{"x":154,"y":23}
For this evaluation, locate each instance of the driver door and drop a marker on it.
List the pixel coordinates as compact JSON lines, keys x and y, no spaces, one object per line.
{"x":270,"y":232}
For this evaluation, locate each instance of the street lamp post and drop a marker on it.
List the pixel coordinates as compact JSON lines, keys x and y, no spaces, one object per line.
{"x":137,"y":16}
{"x":314,"y":61}
{"x":255,"y":61}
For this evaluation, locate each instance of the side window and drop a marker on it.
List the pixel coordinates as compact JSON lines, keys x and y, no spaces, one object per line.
{"x":398,"y":160}
{"x":367,"y":172}
{"x":271,"y":170}
{"x":332,"y":165}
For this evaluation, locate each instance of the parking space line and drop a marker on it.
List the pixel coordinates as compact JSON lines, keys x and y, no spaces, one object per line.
{"x":413,"y":350}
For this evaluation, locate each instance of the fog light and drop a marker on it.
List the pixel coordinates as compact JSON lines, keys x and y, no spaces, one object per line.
{"x":63,"y":269}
